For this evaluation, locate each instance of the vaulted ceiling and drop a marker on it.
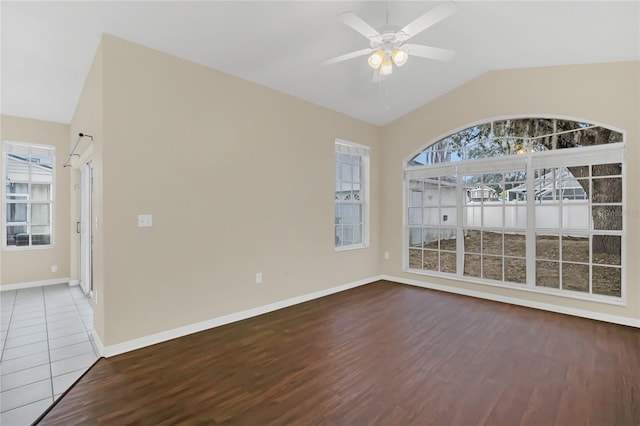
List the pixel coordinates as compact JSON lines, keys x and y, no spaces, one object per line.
{"x":47,"y":47}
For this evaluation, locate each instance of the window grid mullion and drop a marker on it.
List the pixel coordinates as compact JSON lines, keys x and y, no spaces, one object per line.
{"x":460,"y":221}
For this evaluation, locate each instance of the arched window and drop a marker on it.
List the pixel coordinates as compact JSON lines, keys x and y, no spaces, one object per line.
{"x":535,"y":203}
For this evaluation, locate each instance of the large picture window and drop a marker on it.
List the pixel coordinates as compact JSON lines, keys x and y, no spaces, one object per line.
{"x":28,"y":185}
{"x":351,"y":195}
{"x":535,"y":203}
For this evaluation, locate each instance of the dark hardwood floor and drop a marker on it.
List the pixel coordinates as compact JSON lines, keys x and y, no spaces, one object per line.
{"x":383,"y":354}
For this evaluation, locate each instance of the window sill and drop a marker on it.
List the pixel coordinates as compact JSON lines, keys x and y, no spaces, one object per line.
{"x":609,"y":300}
{"x":27,"y":248}
{"x":352,"y":247}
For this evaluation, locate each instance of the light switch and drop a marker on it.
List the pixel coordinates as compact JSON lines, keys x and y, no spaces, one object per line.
{"x":144,"y":220}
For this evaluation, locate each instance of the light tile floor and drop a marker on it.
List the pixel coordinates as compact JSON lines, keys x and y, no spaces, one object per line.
{"x":46,"y":346}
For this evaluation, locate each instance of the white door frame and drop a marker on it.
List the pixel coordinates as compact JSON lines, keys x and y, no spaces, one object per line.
{"x":86,"y":234}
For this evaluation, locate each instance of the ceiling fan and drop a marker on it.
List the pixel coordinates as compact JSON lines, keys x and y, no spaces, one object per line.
{"x":388,"y":47}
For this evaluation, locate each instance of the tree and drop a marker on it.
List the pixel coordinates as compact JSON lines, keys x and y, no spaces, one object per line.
{"x":504,"y":137}
{"x":605,"y":217}
{"x":604,"y":191}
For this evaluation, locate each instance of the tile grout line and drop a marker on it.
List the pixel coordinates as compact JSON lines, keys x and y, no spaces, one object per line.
{"x":62,"y":337}
{"x":45,"y":363}
{"x":46,"y":322}
{"x":24,"y":335}
{"x":33,"y":402}
{"x":26,"y":368}
{"x":84,"y":327}
{"x":86,"y":297}
{"x":13,"y":307}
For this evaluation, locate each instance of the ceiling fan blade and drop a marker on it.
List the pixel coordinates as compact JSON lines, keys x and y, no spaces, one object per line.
{"x":429,"y":52}
{"x":347,"y":56}
{"x":432,"y":17}
{"x":355,"y":22}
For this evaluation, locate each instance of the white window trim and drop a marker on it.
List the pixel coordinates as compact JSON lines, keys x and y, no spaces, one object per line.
{"x":364,"y":152}
{"x":593,"y":154}
{"x":5,"y":150}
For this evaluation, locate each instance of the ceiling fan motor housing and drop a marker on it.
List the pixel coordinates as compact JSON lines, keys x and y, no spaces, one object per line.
{"x":388,"y":41}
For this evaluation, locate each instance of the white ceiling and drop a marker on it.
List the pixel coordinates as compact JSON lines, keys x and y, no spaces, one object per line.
{"x":47,"y":47}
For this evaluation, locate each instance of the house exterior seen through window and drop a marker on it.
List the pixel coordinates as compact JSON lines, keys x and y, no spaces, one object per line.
{"x":351,"y":195}
{"x":28,"y":185}
{"x":535,"y":203}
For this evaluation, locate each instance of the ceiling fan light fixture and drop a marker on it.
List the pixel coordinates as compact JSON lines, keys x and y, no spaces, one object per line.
{"x":376,"y":59}
{"x":399,"y":57}
{"x":386,"y":67}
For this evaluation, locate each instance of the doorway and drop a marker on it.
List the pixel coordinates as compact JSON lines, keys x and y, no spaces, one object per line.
{"x":86,"y":230}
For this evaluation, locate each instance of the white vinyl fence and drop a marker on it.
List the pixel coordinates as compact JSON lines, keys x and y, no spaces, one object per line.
{"x":511,"y":216}
{"x":574,"y":214}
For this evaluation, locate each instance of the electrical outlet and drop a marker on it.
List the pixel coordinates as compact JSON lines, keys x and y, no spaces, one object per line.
{"x":54,"y":268}
{"x":259,"y":278}
{"x":145,"y":221}
{"x":386,"y":255}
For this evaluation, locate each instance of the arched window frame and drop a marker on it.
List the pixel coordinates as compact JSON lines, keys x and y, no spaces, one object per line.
{"x":531,"y":162}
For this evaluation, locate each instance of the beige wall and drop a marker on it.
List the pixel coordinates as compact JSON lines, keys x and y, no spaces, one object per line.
{"x":600,"y":93}
{"x":26,"y":266}
{"x":239,"y":180}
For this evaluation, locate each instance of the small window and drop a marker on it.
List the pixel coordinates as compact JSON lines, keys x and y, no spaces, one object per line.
{"x":28,"y":181}
{"x":351,"y":195}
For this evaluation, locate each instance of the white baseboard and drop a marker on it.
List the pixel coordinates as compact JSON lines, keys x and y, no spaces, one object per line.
{"x":130,"y":345}
{"x":31,"y":284}
{"x":74,"y":283}
{"x":632,"y":322}
{"x":97,"y":342}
